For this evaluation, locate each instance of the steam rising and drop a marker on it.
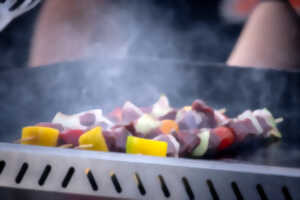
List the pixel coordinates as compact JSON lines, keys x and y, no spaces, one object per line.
{"x":146,"y":31}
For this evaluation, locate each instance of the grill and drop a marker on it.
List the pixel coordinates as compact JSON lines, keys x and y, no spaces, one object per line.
{"x":140,"y":177}
{"x":254,"y":170}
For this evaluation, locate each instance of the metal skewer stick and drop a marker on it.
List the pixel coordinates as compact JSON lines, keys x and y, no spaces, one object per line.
{"x":84,"y":146}
{"x":222,"y":110}
{"x":64,"y":146}
{"x":27,"y":139}
{"x":279,"y":120}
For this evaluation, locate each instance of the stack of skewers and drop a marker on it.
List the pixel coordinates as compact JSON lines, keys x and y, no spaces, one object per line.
{"x":158,"y":130}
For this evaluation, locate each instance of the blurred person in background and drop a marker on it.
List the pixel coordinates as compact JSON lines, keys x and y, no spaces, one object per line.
{"x":270,"y":38}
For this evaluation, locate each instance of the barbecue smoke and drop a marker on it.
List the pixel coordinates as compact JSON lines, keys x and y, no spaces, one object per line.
{"x":148,"y":30}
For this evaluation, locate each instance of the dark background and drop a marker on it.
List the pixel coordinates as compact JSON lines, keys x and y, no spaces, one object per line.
{"x":187,"y":14}
{"x":15,"y":40}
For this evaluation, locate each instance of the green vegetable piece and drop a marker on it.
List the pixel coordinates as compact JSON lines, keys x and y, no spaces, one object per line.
{"x":272,"y":122}
{"x":201,"y":149}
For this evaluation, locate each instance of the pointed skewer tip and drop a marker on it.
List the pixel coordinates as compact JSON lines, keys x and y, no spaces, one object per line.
{"x":87,"y":170}
{"x":222,"y":111}
{"x":27,"y":139}
{"x":279,"y":120}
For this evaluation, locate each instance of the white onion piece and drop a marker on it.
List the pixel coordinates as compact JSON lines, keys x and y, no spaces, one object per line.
{"x":130,"y":106}
{"x":146,"y":123}
{"x":267,"y":115}
{"x":172,"y":140}
{"x":67,"y":121}
{"x":201,"y":149}
{"x":249,"y":115}
{"x":198,"y":117}
{"x":220,"y":118}
{"x":73,"y":121}
{"x":161,"y":107}
{"x":180,"y":115}
{"x":175,"y":143}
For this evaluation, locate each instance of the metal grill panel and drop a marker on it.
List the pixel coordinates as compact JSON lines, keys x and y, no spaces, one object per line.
{"x":203,"y":176}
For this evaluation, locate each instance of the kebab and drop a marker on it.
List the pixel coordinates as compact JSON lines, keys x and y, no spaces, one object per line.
{"x":158,"y":130}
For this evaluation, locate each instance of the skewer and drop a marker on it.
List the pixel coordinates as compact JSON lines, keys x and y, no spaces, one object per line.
{"x":136,"y":178}
{"x":87,"y":171}
{"x":279,"y":120}
{"x":84,"y":146}
{"x":27,"y":139}
{"x":187,"y":108}
{"x":222,"y":110}
{"x":64,"y":146}
{"x":112,"y":174}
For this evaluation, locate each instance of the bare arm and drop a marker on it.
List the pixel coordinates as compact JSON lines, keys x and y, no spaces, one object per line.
{"x":271,"y":38}
{"x":66,"y":28}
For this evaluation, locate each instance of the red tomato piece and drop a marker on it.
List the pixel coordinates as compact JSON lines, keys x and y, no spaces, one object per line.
{"x":71,"y":136}
{"x":226,"y":136}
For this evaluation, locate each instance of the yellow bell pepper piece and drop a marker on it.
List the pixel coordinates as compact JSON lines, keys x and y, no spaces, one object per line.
{"x":36,"y":135}
{"x":93,"y":137}
{"x":137,"y":145}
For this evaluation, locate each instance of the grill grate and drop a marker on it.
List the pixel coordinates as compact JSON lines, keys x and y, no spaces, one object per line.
{"x":44,"y":175}
{"x":140,"y":177}
{"x":21,"y":173}
{"x":68,"y":177}
{"x":236,"y":191}
{"x":139,"y":184}
{"x":2,"y":165}
{"x":286,"y":193}
{"x":188,"y":188}
{"x":92,"y":180}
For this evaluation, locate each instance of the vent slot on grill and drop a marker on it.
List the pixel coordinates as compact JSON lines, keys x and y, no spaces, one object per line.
{"x":261,"y":192}
{"x":188,"y":188}
{"x":44,"y":175}
{"x":237,"y":191}
{"x":286,"y":193}
{"x":212,"y":190}
{"x":139,"y":184}
{"x":91,"y":179}
{"x":163,"y":186}
{"x":2,"y":166}
{"x":21,"y":173}
{"x":115,"y":182}
{"x":68,"y":177}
